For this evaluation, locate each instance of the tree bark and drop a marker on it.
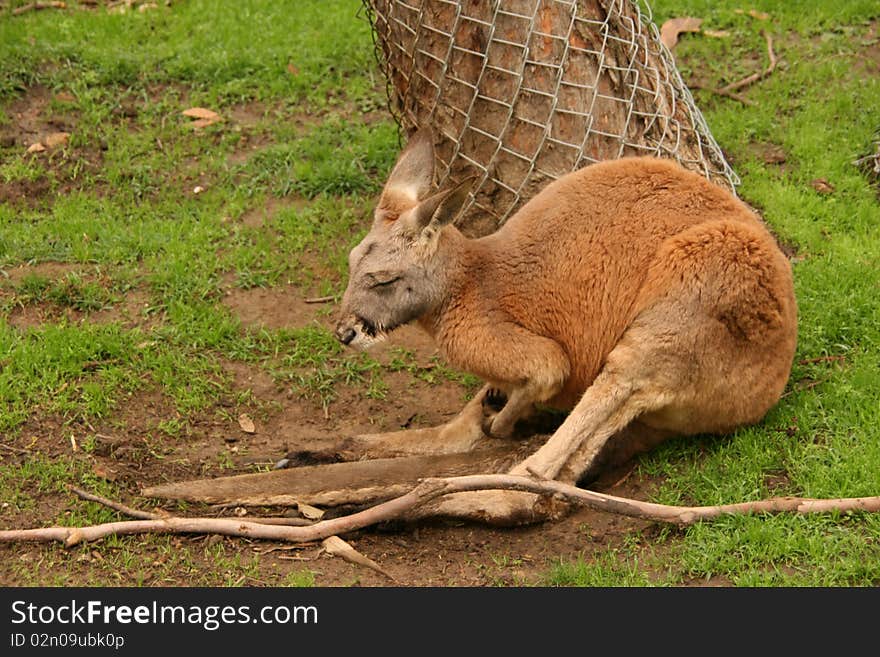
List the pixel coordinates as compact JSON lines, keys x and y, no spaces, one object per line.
{"x":521,"y":92}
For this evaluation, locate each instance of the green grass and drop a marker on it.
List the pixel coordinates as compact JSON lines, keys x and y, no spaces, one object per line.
{"x":609,"y":569}
{"x":336,"y":157}
{"x":303,"y":149}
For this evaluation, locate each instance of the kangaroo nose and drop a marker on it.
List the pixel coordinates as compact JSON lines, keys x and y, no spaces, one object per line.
{"x":345,"y":335}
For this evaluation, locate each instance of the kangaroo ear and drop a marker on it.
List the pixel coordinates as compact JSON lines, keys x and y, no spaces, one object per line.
{"x":413,"y":174}
{"x":440,"y":209}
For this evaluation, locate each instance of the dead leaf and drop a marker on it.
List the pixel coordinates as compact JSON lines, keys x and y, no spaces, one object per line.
{"x":65,"y":97}
{"x":717,"y":34}
{"x":36,"y":148}
{"x":204,"y":117}
{"x":201,"y":113}
{"x":309,"y":512}
{"x":674,"y":26}
{"x":201,"y":123}
{"x":336,"y":547}
{"x":56,"y":139}
{"x":147,"y":6}
{"x":822,"y":186}
{"x":246,"y":423}
{"x":292,"y":69}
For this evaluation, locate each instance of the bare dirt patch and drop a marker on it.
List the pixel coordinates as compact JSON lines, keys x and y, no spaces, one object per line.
{"x":245,"y":118}
{"x":33,"y":120}
{"x":130,"y":309}
{"x":131,"y":312}
{"x":247,"y":115}
{"x":273,"y":308}
{"x":867,"y":59}
{"x":50,"y":270}
{"x":32,"y":315}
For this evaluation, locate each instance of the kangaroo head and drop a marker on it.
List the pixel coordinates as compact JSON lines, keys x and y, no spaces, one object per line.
{"x":396,"y":272}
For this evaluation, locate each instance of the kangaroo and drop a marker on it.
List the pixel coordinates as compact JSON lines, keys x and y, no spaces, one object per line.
{"x":629,"y":291}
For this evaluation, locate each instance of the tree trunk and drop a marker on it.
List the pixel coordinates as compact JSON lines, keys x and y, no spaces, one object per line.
{"x":521,"y":92}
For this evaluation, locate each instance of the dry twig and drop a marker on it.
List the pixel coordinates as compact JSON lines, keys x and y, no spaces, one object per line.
{"x":146,"y":515}
{"x":730,"y":89}
{"x":430,"y":489}
{"x":336,"y":547}
{"x":326,"y":299}
{"x":116,"y":506}
{"x":727,"y":94}
{"x":807,"y":386}
{"x":755,"y":77}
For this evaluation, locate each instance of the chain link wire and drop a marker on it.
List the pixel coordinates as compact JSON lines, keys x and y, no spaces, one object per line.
{"x":521,"y":92}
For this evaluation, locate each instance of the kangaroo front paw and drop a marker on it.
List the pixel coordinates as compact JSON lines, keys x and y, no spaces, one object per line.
{"x":493,"y":401}
{"x":492,"y":405}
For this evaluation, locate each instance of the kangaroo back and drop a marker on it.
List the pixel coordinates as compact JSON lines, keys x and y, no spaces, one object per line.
{"x":579,"y":253}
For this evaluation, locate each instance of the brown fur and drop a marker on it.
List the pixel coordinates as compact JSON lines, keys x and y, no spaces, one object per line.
{"x":631,"y":289}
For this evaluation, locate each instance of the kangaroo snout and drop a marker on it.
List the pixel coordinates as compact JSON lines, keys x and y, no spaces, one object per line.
{"x":355,"y":331}
{"x":345,"y":333}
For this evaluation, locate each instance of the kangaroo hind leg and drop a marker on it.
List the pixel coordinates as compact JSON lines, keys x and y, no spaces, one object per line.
{"x":628,"y":386}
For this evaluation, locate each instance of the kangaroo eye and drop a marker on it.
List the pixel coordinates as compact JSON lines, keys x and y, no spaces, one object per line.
{"x":382,"y":279}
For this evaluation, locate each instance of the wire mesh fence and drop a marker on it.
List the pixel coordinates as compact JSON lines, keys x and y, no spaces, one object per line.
{"x":521,"y":92}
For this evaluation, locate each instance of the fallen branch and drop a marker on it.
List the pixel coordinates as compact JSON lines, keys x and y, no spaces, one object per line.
{"x":326,"y":299}
{"x":36,"y":6}
{"x":336,"y":547}
{"x":116,"y":506}
{"x":146,"y":515}
{"x":430,"y":489}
